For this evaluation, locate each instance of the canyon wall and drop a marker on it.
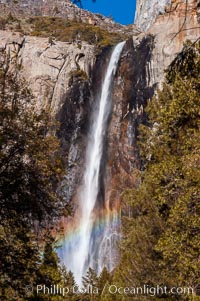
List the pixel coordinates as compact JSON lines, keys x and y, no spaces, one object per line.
{"x":140,"y":73}
{"x":65,"y":77}
{"x":171,"y":30}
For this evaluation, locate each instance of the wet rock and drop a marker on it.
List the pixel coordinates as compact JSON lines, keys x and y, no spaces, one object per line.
{"x":130,"y":95}
{"x":74,"y":115}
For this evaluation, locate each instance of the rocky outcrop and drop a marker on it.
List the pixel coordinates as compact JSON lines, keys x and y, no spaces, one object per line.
{"x":140,"y":73}
{"x":147,"y":11}
{"x":65,"y":77}
{"x":59,"y":76}
{"x":60,"y":8}
{"x":47,"y":67}
{"x":170,"y":30}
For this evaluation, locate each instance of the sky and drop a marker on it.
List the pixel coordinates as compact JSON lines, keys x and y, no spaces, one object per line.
{"x":122,"y":11}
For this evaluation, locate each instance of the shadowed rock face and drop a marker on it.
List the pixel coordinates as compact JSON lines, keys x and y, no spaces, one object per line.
{"x":140,"y":73}
{"x":65,"y":77}
{"x":74,"y":116}
{"x":131,"y":92}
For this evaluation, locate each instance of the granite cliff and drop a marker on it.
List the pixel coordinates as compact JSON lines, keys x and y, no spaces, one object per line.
{"x":147,"y":12}
{"x":64,"y":75}
{"x":60,"y":8}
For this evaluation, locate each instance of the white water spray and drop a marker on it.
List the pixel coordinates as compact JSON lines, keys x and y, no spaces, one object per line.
{"x":79,"y":254}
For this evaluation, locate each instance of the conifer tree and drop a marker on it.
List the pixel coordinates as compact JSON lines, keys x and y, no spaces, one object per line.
{"x":30,"y":169}
{"x":104,"y":277}
{"x":91,"y":278}
{"x":90,"y":281}
{"x":161,"y":236}
{"x":104,"y":281}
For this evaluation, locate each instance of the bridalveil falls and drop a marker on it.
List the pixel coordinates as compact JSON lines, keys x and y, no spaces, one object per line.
{"x":95,"y":224}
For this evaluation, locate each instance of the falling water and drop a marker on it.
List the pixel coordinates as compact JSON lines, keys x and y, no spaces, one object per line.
{"x":91,"y":244}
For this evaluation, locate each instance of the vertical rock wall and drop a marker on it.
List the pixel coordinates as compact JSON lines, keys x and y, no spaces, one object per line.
{"x":131,"y":92}
{"x":65,"y":77}
{"x":140,"y":73}
{"x":147,"y":11}
{"x":171,"y":30}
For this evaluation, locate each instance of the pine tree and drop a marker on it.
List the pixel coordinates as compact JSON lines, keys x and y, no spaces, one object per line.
{"x":104,"y":277}
{"x":30,"y":170}
{"x":49,"y":275}
{"x":19,"y":259}
{"x":161,"y":235}
{"x":91,"y":278}
{"x":104,"y":281}
{"x":90,"y":282}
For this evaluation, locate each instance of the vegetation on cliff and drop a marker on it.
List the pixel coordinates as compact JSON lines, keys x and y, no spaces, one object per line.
{"x":60,"y":29}
{"x":69,"y":31}
{"x":160,"y":244}
{"x":30,"y":170}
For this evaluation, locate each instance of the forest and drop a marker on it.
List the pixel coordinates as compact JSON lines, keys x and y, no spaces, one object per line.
{"x":160,"y":231}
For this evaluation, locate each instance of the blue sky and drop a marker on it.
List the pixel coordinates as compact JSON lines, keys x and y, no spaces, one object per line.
{"x":122,"y":11}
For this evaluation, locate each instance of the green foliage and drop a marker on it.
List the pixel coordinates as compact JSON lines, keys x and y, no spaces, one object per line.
{"x":2,"y":23}
{"x":77,"y":75}
{"x":90,"y":278}
{"x":30,"y":170}
{"x":69,"y":31}
{"x":161,"y":234}
{"x":104,"y":277}
{"x":104,"y":281}
{"x":28,"y":152}
{"x":19,"y":258}
{"x":49,"y":275}
{"x":10,"y":22}
{"x":97,"y":284}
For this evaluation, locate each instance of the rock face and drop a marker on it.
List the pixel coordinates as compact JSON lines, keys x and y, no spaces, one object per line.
{"x":198,"y":10}
{"x":60,"y":8}
{"x":131,"y":92}
{"x":140,"y":73}
{"x":47,"y":67}
{"x":59,"y":77}
{"x":65,"y":77}
{"x":147,"y":11}
{"x":171,"y":30}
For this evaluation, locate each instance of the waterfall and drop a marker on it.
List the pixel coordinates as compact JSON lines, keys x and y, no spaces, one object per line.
{"x":95,"y":234}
